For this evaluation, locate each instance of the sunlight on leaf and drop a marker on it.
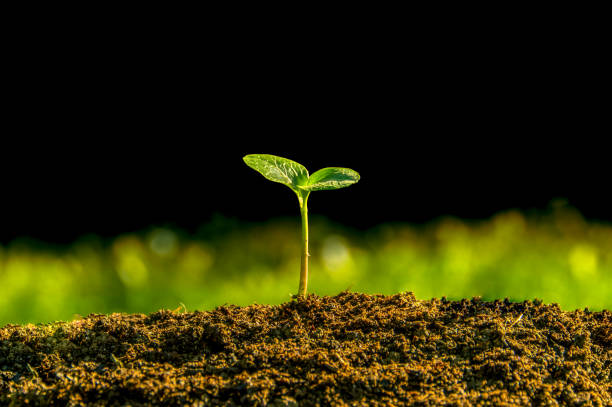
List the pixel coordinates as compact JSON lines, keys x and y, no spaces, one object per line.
{"x":331,"y":178}
{"x":278,"y":169}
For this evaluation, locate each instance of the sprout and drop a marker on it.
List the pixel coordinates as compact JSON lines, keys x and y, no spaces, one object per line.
{"x":296,"y":177}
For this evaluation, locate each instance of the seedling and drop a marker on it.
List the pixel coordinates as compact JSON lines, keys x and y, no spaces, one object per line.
{"x":295,"y":176}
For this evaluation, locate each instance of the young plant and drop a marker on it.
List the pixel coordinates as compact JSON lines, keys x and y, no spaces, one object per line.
{"x":295,"y":176}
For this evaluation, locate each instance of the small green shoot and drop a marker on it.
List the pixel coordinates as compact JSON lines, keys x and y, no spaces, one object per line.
{"x":296,"y":177}
{"x":32,"y":370}
{"x":116,"y":361}
{"x":181,"y":309}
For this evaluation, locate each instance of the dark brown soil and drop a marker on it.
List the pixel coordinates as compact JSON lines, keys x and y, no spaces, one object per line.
{"x":351,"y":349}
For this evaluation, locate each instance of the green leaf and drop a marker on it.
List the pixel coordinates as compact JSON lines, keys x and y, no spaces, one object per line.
{"x":278,"y":169}
{"x":331,"y":178}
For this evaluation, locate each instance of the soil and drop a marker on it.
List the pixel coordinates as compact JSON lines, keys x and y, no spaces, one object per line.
{"x":350,"y":349}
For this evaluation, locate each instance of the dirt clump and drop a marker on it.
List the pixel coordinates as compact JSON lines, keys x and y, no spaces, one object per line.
{"x":348,"y":350}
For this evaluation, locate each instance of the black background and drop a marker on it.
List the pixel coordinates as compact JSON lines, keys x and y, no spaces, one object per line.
{"x":462,"y":112}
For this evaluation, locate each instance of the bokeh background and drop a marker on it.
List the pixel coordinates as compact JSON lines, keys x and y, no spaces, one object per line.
{"x":483,"y":138}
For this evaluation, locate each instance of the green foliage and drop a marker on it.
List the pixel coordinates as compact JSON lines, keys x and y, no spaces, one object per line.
{"x":557,"y":257}
{"x":331,"y":178}
{"x":279,"y":169}
{"x":295,"y":176}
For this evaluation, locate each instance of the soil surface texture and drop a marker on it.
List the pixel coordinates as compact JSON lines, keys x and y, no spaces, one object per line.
{"x":348,"y":350}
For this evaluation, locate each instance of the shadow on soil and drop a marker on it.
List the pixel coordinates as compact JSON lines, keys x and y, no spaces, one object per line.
{"x":351,"y":349}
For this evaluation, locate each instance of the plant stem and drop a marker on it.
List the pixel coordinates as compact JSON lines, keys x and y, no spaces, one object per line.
{"x":304,"y":267}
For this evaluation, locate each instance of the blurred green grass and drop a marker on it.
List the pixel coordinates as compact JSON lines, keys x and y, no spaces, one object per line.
{"x":556,"y":256}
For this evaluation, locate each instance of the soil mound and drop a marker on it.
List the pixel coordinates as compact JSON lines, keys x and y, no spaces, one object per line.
{"x":351,"y":349}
